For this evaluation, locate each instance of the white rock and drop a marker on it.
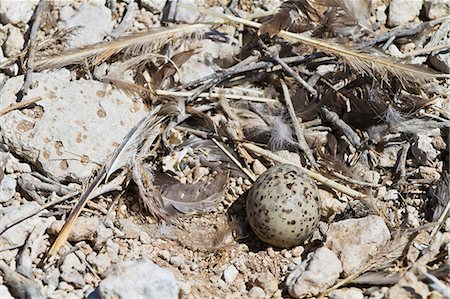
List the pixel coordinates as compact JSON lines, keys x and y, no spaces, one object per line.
{"x":140,"y":279}
{"x":188,"y":16}
{"x":389,"y":156}
{"x":7,"y":188}
{"x":257,"y":293}
{"x":318,"y":272}
{"x":81,"y":118}
{"x":155,"y":6}
{"x":4,"y":292}
{"x":402,"y":12}
{"x":177,"y":260}
{"x":164,"y":254}
{"x":266,"y":281}
{"x":355,"y":241}
{"x":230,"y":274}
{"x":351,"y":293}
{"x":435,"y":9}
{"x":14,"y":12}
{"x":17,"y":234}
{"x":88,"y":228}
{"x":9,"y":164}
{"x":95,"y":21}
{"x":101,"y":262}
{"x":14,"y":43}
{"x":71,"y":268}
{"x":423,"y":149}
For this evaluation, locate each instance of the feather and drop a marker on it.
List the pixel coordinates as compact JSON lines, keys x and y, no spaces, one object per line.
{"x":367,"y":64}
{"x":119,"y":158}
{"x":202,"y":196}
{"x":132,"y":44}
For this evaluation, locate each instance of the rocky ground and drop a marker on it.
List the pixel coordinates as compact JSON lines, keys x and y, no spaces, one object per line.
{"x":383,"y":231}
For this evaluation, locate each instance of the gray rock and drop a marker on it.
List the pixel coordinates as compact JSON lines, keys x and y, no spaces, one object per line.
{"x":14,"y":12}
{"x":257,"y":293}
{"x":188,"y":16}
{"x":14,"y":43}
{"x":349,"y":293}
{"x":155,"y":6}
{"x":355,"y":241}
{"x":7,"y":188}
{"x":87,"y":228}
{"x":17,"y":234}
{"x":423,"y":149}
{"x":94,"y":22}
{"x":319,"y":271}
{"x":10,"y":164}
{"x":140,"y":279}
{"x":229,"y":274}
{"x":177,"y":260}
{"x":80,"y":119}
{"x":100,"y":262}
{"x":402,"y":12}
{"x":266,"y":281}
{"x":437,"y":9}
{"x":4,"y":292}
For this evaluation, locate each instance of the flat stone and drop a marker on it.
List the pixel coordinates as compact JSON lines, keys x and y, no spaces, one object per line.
{"x":402,"y":12}
{"x":319,"y":271}
{"x":140,"y":279}
{"x":15,"y":12}
{"x":355,"y":241}
{"x":230,"y":274}
{"x":76,"y":124}
{"x":7,"y":188}
{"x":94,"y":22}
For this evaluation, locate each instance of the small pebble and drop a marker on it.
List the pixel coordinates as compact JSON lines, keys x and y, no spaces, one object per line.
{"x":177,"y":261}
{"x":164,"y":254}
{"x":257,"y":293}
{"x":230,"y":274}
{"x":144,"y":238}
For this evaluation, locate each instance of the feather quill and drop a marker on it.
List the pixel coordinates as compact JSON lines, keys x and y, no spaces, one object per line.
{"x":367,"y":64}
{"x":133,"y":44}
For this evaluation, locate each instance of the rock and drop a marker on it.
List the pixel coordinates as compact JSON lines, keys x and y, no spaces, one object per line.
{"x":95,"y":23}
{"x":257,"y":293}
{"x":155,"y":6}
{"x":266,"y":281}
{"x":402,"y":12}
{"x":188,"y":16}
{"x":15,"y":12}
{"x":437,"y":9}
{"x":423,"y":149}
{"x":14,"y":43}
{"x":318,"y":272}
{"x":164,"y":254}
{"x":229,"y":274}
{"x":87,"y":228}
{"x":138,"y":279}
{"x":100,"y":262}
{"x":355,"y":241}
{"x":4,"y":292}
{"x":71,"y":268}
{"x":129,"y":228}
{"x":17,"y":234}
{"x":350,"y":293}
{"x":144,"y":238}
{"x":389,"y":156}
{"x":51,"y":279}
{"x":7,"y":188}
{"x":63,"y":144}
{"x":9,"y":164}
{"x":177,"y":260}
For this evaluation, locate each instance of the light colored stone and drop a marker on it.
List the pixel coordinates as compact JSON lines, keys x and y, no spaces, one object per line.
{"x":4,"y":292}
{"x":155,"y":6}
{"x":14,"y":43}
{"x":100,"y":262}
{"x":164,"y":254}
{"x":355,"y":241}
{"x":177,"y":260}
{"x":266,"y":281}
{"x":95,"y":21}
{"x":82,"y":121}
{"x":71,"y":268}
{"x":17,"y":234}
{"x":87,"y":228}
{"x":402,"y":12}
{"x":7,"y":188}
{"x":389,"y":156}
{"x":15,"y":12}
{"x":9,"y":164}
{"x":140,"y":279}
{"x":318,"y":272}
{"x":423,"y":149}
{"x":229,"y":274}
{"x":350,"y":293}
{"x":257,"y":293}
{"x":435,"y":9}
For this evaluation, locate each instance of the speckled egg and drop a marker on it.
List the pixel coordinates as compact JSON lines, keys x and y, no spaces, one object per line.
{"x":283,"y":206}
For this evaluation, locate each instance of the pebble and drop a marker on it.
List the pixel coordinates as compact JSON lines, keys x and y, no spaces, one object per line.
{"x":14,"y":43}
{"x":266,"y":281}
{"x":318,"y":272}
{"x":139,"y":279}
{"x":356,"y":240}
{"x":177,"y":260}
{"x":348,"y":293}
{"x":7,"y":188}
{"x":4,"y":292}
{"x":164,"y":254}
{"x":401,"y":12}
{"x":230,"y":274}
{"x":257,"y":293}
{"x":437,"y":9}
{"x":94,"y":22}
{"x":15,"y":12}
{"x":144,"y":238}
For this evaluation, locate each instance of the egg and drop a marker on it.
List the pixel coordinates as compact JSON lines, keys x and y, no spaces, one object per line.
{"x":283,"y":206}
